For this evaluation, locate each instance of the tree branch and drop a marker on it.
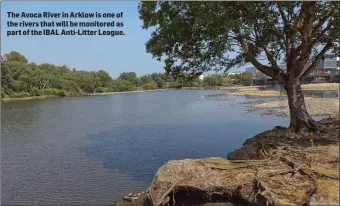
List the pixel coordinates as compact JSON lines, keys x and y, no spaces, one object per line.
{"x":322,"y":33}
{"x":322,"y":22}
{"x":316,"y":61}
{"x":283,"y":15}
{"x":272,"y":72}
{"x":260,"y":40}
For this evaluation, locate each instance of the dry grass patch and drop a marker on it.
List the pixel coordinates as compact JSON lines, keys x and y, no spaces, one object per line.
{"x":322,"y":86}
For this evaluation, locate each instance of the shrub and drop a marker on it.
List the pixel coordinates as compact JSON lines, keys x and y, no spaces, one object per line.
{"x":122,"y":85}
{"x":149,"y":86}
{"x":19,"y":95}
{"x":3,"y":94}
{"x":101,"y":89}
{"x":36,"y":92}
{"x":61,"y":93}
{"x":50,"y":91}
{"x":175,"y":85}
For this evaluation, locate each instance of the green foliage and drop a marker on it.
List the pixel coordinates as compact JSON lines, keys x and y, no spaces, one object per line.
{"x":150,"y":85}
{"x":146,"y":79}
{"x":102,"y":90}
{"x":247,"y":77}
{"x":175,"y":85}
{"x":19,"y":78}
{"x":36,"y":92}
{"x":122,"y":85}
{"x":213,"y":80}
{"x":19,"y":95}
{"x":227,"y":81}
{"x":62,"y":93}
{"x":130,"y":77}
{"x":194,"y":83}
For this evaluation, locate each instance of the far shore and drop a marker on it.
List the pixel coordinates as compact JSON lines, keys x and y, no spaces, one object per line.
{"x":87,"y":94}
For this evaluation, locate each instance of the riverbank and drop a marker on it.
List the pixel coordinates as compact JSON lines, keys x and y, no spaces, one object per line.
{"x":86,"y":94}
{"x":315,"y":106}
{"x":276,"y":167}
{"x":258,"y":91}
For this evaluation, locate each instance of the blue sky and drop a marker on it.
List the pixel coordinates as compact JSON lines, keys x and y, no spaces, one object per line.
{"x":112,"y":54}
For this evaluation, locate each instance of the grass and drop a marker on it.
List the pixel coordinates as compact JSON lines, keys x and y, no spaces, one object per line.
{"x":328,"y":189}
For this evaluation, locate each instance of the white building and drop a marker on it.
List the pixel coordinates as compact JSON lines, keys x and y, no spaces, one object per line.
{"x":233,"y":73}
{"x":201,"y":77}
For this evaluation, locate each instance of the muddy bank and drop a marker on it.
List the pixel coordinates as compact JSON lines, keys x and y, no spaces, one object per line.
{"x":275,"y":167}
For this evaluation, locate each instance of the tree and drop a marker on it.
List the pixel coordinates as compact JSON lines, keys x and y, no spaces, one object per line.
{"x":129,"y":76}
{"x":227,"y":81}
{"x":213,"y":80}
{"x":15,"y":56}
{"x":145,"y":79}
{"x":199,"y":36}
{"x":246,"y":77}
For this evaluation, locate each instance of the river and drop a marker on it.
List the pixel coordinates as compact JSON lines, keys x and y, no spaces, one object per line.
{"x":94,"y":150}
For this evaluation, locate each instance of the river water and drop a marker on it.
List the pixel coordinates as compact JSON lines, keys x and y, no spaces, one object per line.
{"x":94,"y":150}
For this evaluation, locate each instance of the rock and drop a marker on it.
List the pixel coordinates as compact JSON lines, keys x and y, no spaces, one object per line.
{"x":139,"y":199}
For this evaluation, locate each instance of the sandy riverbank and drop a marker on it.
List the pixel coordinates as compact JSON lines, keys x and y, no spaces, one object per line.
{"x":315,"y":107}
{"x":255,"y":91}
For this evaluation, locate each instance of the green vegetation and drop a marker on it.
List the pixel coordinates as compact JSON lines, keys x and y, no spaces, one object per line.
{"x":20,"y":78}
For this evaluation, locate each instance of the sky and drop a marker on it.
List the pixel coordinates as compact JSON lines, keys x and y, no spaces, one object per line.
{"x":91,"y":53}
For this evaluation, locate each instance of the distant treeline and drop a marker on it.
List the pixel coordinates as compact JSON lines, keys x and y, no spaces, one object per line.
{"x":19,"y":78}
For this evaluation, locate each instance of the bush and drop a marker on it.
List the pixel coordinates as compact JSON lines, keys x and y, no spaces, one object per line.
{"x":149,"y":86}
{"x":213,"y":80}
{"x":122,"y":85}
{"x":50,"y":91}
{"x":61,"y":93}
{"x":3,"y":94}
{"x":36,"y":92}
{"x":175,"y":85}
{"x":101,"y":90}
{"x":19,"y":95}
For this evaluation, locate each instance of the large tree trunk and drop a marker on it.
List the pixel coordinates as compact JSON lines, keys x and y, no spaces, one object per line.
{"x":300,"y":120}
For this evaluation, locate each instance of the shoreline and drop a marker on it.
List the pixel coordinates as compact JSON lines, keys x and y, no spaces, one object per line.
{"x":81,"y":95}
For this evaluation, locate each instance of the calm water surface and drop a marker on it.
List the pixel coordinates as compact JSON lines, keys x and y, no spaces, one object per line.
{"x":94,"y":150}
